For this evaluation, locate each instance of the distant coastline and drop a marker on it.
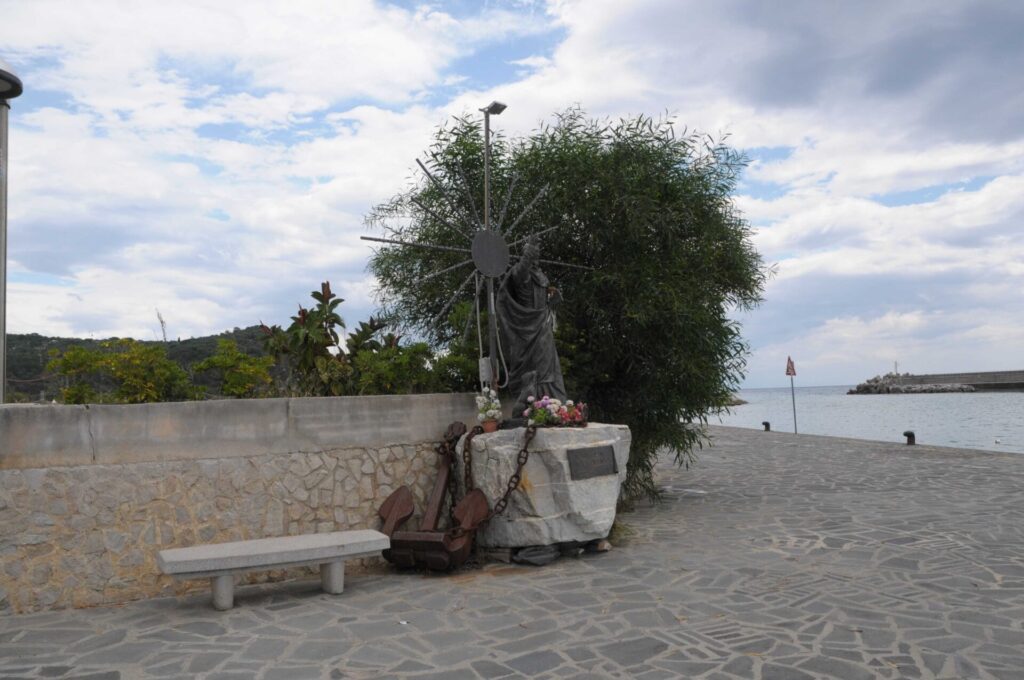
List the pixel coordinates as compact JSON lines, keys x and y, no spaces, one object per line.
{"x":908,"y":383}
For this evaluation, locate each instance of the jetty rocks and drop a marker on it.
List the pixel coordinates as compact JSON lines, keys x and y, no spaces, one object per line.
{"x":890,"y":383}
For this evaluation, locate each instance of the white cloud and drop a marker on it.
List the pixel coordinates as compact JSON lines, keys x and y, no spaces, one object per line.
{"x":215,"y":159}
{"x":822,"y":231}
{"x":118,"y":57}
{"x":846,"y":350}
{"x":865,"y":164}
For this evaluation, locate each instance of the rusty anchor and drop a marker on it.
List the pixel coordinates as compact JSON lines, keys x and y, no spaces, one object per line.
{"x":429,"y":546}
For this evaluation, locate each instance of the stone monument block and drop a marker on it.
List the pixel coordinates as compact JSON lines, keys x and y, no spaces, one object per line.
{"x":569,"y":486}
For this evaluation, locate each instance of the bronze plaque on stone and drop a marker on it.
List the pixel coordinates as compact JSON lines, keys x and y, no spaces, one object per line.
{"x":595,"y":461}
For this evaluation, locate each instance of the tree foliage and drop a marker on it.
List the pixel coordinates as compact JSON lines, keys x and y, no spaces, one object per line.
{"x":371,"y":362}
{"x":134,"y":372}
{"x":645,"y":337}
{"x":240,"y":375}
{"x":28,"y":356}
{"x":310,"y":347}
{"x":306,"y":359}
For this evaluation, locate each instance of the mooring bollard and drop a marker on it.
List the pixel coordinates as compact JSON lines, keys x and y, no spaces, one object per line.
{"x":909,"y":434}
{"x":767,"y":426}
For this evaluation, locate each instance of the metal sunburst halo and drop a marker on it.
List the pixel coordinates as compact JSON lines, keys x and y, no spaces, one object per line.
{"x":488,"y":251}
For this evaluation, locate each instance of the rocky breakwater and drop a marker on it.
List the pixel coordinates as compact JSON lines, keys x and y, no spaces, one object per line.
{"x":890,"y":384}
{"x":569,"y":489}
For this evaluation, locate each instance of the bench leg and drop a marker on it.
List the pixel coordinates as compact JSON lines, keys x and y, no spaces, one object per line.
{"x":223,"y":591}
{"x":332,"y":577}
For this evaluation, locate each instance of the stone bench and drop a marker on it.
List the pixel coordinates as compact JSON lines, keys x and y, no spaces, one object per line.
{"x":219,"y":562}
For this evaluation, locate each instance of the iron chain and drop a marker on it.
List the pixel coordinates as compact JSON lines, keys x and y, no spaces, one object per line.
{"x":513,"y":481}
{"x":467,"y":460}
{"x":448,"y":447}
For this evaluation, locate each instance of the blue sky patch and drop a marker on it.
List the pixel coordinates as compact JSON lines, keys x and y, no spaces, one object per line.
{"x":205,"y":165}
{"x":203,"y":76}
{"x":764,"y":191}
{"x":235,"y":132}
{"x":219,"y":214}
{"x":768,"y":154}
{"x":491,"y":65}
{"x":930,"y":194}
{"x":40,"y":279}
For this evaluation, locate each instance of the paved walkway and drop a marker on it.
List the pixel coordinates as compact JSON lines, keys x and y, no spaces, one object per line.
{"x":776,"y":557}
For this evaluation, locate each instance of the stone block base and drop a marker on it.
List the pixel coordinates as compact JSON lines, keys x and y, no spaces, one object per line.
{"x":549,"y":506}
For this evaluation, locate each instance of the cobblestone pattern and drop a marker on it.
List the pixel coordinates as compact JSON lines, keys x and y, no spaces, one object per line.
{"x":84,"y":536}
{"x":778,"y":557}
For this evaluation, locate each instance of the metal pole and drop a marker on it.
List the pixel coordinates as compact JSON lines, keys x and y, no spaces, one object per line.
{"x":792,"y":392}
{"x":492,"y":333}
{"x":487,"y":170}
{"x":4,"y":110}
{"x":492,"y":319}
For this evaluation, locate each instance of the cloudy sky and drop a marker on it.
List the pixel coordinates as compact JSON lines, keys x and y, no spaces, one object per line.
{"x":214,"y":160}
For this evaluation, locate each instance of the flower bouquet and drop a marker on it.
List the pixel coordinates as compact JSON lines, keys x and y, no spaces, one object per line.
{"x":488,"y":409}
{"x":548,"y":412}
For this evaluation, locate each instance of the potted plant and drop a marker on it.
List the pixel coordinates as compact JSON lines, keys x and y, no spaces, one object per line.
{"x":488,"y":409}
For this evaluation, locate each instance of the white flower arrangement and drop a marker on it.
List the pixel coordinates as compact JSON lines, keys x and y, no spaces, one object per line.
{"x":487,"y":405}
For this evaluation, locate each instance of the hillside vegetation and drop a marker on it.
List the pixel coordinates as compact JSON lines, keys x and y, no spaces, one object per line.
{"x":313,"y":356}
{"x":28,"y":355}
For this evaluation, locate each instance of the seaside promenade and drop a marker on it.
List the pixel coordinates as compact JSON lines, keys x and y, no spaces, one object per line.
{"x":777,"y":556}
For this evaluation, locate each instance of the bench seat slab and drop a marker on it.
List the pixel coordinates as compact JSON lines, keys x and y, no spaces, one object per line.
{"x":187,"y":576}
{"x":219,"y":562}
{"x":270,"y":553}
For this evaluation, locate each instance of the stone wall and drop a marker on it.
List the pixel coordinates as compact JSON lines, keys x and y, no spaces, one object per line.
{"x":992,"y":380}
{"x":88,"y":495}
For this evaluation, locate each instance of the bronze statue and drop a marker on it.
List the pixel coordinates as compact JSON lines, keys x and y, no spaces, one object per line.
{"x":526,"y":312}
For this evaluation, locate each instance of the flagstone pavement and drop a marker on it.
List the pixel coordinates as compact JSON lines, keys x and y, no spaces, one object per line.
{"x":776,"y":557}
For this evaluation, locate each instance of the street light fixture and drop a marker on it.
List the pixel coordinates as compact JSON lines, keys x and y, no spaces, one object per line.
{"x":10,"y":87}
{"x":10,"y":84}
{"x":493,"y":109}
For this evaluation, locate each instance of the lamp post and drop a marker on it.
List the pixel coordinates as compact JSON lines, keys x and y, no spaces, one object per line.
{"x":495,"y":109}
{"x":10,"y":87}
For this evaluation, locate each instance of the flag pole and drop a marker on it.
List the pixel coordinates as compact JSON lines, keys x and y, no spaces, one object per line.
{"x":791,"y":371}
{"x":792,"y":392}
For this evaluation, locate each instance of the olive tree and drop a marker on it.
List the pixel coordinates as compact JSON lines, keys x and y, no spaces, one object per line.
{"x":645,"y":334}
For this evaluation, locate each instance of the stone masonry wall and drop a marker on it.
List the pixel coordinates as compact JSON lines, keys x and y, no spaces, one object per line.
{"x":88,"y":534}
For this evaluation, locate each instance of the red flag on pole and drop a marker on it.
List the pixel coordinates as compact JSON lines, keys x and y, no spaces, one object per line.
{"x":791,"y":371}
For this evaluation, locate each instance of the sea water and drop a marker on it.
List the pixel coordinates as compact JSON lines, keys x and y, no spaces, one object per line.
{"x":975,"y":420}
